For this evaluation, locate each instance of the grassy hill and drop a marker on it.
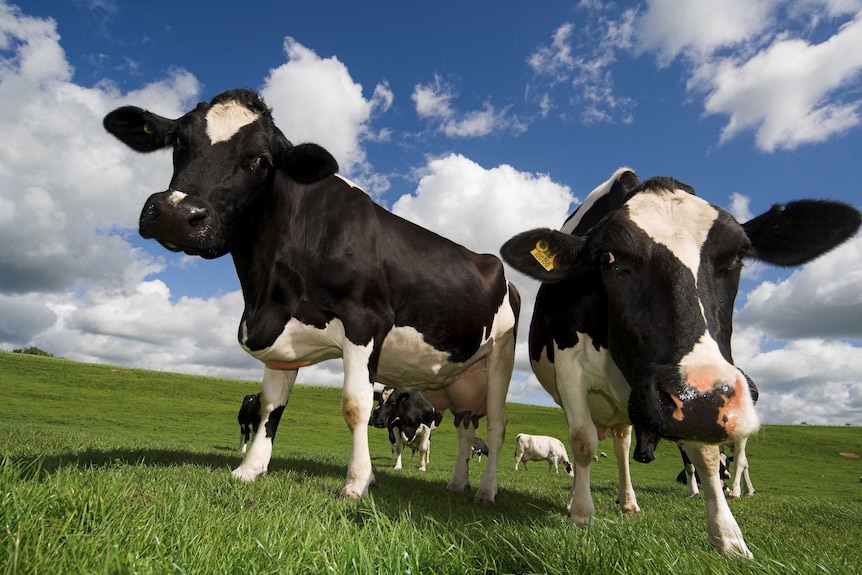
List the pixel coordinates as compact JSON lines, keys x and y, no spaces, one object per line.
{"x":108,"y":469}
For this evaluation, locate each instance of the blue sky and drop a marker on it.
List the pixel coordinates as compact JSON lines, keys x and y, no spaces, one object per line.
{"x":478,"y":120}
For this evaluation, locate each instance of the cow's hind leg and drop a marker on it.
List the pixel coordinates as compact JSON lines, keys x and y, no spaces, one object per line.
{"x":722,"y":529}
{"x":500,"y":365}
{"x":275,"y":392}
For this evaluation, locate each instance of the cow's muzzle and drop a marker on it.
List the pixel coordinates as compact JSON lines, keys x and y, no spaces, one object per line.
{"x":708,"y":404}
{"x":181,"y":223}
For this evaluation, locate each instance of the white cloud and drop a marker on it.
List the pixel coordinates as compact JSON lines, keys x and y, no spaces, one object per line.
{"x":580,"y":63}
{"x":790,"y":93}
{"x":315,"y":99}
{"x":755,"y":64}
{"x":454,"y":194}
{"x":434,"y":103}
{"x":698,"y":28}
{"x":809,"y":380}
{"x":822,"y":299}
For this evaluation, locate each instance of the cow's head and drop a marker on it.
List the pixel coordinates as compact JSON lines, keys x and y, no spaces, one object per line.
{"x":660,"y":272}
{"x":388,"y":402}
{"x":226,"y":154}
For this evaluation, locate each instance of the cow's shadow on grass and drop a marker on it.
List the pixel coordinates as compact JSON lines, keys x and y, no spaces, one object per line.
{"x":395,"y":492}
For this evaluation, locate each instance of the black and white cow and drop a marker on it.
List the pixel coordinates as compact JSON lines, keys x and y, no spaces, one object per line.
{"x":633,"y":320}
{"x":480,"y":448}
{"x":409,"y":419}
{"x":327,"y":273}
{"x":248,"y":419}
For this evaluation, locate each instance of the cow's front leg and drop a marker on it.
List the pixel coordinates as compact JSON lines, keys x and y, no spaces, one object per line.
{"x":622,"y":444}
{"x":724,"y":533}
{"x":275,"y":392}
{"x":357,"y":398}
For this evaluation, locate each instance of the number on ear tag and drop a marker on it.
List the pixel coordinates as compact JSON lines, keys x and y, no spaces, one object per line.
{"x":543,"y":254}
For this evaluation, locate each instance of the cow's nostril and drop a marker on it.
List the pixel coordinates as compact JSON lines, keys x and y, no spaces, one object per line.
{"x":197,"y":217}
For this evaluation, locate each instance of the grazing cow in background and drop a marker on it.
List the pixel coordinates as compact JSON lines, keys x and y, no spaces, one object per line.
{"x":480,"y":448}
{"x":248,"y":418}
{"x":409,"y":420}
{"x":539,"y":448}
{"x":327,"y":273}
{"x":632,"y":323}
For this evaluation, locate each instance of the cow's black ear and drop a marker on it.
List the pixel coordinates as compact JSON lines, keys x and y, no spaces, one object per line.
{"x":544,"y":254}
{"x":403,"y":396}
{"x":306,"y":163}
{"x":797,"y":232}
{"x":139,"y":129}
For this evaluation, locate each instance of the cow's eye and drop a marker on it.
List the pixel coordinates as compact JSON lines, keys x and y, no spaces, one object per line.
{"x":260,"y":162}
{"x":729,"y":264}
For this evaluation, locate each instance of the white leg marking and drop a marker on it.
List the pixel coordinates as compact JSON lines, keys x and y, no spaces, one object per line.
{"x":357,"y":398}
{"x":622,"y":444}
{"x":275,"y":391}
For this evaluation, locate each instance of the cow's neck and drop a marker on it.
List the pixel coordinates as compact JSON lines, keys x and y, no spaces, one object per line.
{"x":265,"y":274}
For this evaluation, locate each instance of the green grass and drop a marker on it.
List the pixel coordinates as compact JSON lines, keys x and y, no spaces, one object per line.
{"x":111,"y":470}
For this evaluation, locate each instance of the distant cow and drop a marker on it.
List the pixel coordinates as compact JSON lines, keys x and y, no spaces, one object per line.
{"x":327,"y":273}
{"x":480,"y":448}
{"x":633,"y":320}
{"x":409,"y":420}
{"x":248,"y":418}
{"x":540,"y":448}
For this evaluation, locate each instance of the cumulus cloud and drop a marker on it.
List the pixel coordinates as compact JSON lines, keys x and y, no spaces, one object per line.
{"x":794,"y":380}
{"x":434,"y":103}
{"x":61,"y":173}
{"x":581,"y":63}
{"x":315,"y":99}
{"x":452,"y":190}
{"x":760,"y":69}
{"x":821,"y":299}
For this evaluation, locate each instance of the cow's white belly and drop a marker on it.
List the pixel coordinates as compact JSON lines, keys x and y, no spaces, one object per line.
{"x":300,"y":344}
{"x":590,"y":373}
{"x":406,"y":360}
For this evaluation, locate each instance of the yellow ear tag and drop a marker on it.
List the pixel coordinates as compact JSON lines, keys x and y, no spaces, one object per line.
{"x":543,"y":254}
{"x":147,"y":129}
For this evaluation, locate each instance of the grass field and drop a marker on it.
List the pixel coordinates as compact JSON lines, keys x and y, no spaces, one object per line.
{"x":112,"y":470}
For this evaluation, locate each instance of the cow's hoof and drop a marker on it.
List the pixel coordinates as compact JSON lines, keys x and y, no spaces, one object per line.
{"x":631,"y":508}
{"x":483,"y":497}
{"x":246,"y":475}
{"x":456,"y":487}
{"x":582,"y":522}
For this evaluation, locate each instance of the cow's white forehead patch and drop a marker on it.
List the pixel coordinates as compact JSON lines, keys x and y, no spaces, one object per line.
{"x":677,"y":220}
{"x":225,"y":119}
